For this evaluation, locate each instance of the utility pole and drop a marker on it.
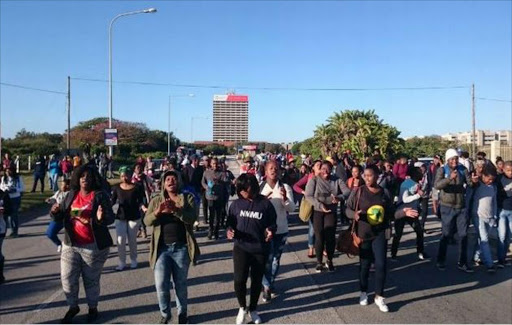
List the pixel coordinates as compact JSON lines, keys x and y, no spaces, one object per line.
{"x":68,"y":136}
{"x":473,"y":130}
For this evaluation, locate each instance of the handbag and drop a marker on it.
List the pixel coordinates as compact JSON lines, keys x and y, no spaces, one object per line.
{"x":305,"y":210}
{"x":348,"y":241}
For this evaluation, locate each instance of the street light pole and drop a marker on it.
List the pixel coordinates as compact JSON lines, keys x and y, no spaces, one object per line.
{"x":144,"y":11}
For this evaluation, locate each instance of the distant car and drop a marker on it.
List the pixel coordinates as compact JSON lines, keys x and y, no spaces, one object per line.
{"x":426,"y":160}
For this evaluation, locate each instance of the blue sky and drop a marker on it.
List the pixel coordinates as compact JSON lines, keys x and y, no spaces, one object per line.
{"x":305,"y":44}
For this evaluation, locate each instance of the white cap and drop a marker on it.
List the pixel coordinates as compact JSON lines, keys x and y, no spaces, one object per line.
{"x":451,"y":153}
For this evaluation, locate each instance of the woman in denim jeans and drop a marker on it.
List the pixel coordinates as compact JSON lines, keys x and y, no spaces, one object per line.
{"x":173,"y":246}
{"x":12,"y":183}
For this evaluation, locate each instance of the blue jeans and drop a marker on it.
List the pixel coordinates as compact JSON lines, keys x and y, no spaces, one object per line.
{"x":2,"y":237}
{"x":453,"y":221}
{"x":504,"y":233}
{"x":12,"y":220}
{"x":172,"y":260}
{"x":53,"y":182}
{"x":274,"y":260}
{"x":484,"y":226}
{"x":53,"y":230}
{"x":311,"y":234}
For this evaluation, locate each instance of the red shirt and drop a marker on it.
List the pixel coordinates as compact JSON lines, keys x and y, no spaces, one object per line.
{"x":82,"y":206}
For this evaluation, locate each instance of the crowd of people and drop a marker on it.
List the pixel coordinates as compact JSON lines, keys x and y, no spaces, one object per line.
{"x":377,"y":197}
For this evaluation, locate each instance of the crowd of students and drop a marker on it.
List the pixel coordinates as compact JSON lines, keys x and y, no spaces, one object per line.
{"x":378,"y":197}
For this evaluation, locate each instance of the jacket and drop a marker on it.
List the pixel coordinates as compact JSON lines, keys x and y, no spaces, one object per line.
{"x":318,"y":192}
{"x":452,"y":192}
{"x":187,"y":214}
{"x":99,"y":228}
{"x":214,"y":182}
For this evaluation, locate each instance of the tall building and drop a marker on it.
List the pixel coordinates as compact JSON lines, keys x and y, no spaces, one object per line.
{"x":230,"y":118}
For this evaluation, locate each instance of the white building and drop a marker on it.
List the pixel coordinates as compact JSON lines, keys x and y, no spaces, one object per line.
{"x":483,"y":137}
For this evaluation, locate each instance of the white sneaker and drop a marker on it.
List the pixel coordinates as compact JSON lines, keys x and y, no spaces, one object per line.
{"x":120,"y":267}
{"x":256,"y":319}
{"x":240,"y":318}
{"x":379,"y":301}
{"x":59,"y":248}
{"x":363,"y":299}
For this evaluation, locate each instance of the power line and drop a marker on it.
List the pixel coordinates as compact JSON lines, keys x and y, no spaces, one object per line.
{"x":32,"y":88}
{"x":269,"y":88}
{"x":495,"y":100}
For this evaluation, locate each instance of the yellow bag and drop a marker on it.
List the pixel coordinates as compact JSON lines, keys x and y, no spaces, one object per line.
{"x":305,"y":210}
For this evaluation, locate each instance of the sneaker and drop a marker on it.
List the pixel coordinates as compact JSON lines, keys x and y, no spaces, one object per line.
{"x":465,"y":268}
{"x":329,"y":266}
{"x":363,"y":299}
{"x":267,"y":295}
{"x":393,"y":258}
{"x":120,"y":267}
{"x":59,"y":248}
{"x":255,"y":318}
{"x":240,"y":318}
{"x":182,"y":318}
{"x":92,"y":316}
{"x":379,"y":301}
{"x":441,"y":266}
{"x":423,"y":256}
{"x":319,"y":267}
{"x":491,"y":269}
{"x":165,"y":320}
{"x":72,"y":312}
{"x":502,"y":264}
{"x":133,"y":265}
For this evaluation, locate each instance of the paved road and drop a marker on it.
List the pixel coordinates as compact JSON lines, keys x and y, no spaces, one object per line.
{"x":417,"y":292}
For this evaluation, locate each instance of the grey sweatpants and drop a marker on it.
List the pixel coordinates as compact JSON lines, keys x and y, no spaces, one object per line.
{"x":87,"y":261}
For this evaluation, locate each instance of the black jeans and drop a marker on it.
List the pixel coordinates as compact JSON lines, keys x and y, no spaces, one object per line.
{"x":243,"y":263}
{"x":204,"y":202}
{"x":373,"y":251}
{"x":453,"y":220}
{"x":38,"y":177}
{"x":424,"y":211}
{"x":215,"y":207}
{"x":415,"y":223}
{"x":324,"y":225}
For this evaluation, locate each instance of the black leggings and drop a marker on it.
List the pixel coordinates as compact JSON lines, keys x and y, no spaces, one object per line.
{"x":324,"y":225}
{"x":373,"y":251}
{"x":415,"y":223}
{"x":204,"y":202}
{"x":215,"y":208}
{"x":243,"y":261}
{"x":424,"y":211}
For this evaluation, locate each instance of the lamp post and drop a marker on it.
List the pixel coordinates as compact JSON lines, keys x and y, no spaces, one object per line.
{"x":144,"y":11}
{"x":192,"y":126}
{"x":169,"y":122}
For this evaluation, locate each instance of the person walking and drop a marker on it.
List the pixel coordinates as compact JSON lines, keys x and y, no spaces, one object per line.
{"x":86,"y":214}
{"x":281,"y":197}
{"x":66,"y":166}
{"x":55,"y":227}
{"x":132,"y":202}
{"x":372,"y":208}
{"x":451,"y":180}
{"x":39,"y":173}
{"x":251,"y":225}
{"x":484,"y":211}
{"x":54,"y":171}
{"x":300,"y":188}
{"x":410,"y":196}
{"x":505,"y":215}
{"x":173,"y":246}
{"x":214,"y":182}
{"x":193,"y":174}
{"x":146,"y":182}
{"x":324,"y":192}
{"x":12,"y":184}
{"x":5,"y":205}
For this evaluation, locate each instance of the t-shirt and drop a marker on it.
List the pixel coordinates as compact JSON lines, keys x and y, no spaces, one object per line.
{"x":250,"y":219}
{"x":173,"y":229}
{"x":82,"y":206}
{"x":129,"y":202}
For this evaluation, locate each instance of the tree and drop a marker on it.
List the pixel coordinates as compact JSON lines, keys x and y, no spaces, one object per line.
{"x":362,"y":132}
{"x":427,"y":146}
